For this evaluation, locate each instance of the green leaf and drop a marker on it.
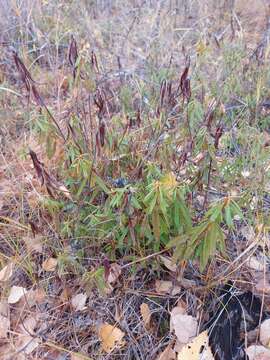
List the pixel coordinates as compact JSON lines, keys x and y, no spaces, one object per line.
{"x":215,"y":213}
{"x":163,"y":205}
{"x":101,"y":183}
{"x":177,"y":241}
{"x":120,"y":240}
{"x":150,"y":195}
{"x":156,"y":228}
{"x":228,"y":216}
{"x":197,"y":231}
{"x":82,"y":185}
{"x":213,"y":238}
{"x":221,"y":241}
{"x":176,"y":216}
{"x":185,"y":215}
{"x":135,"y":203}
{"x":235,"y":209}
{"x":152,"y":204}
{"x":179,"y":253}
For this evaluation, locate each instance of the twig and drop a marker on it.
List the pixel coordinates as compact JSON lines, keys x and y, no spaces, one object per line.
{"x":144,"y":258}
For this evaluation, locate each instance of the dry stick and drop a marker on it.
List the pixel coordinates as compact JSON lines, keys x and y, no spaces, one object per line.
{"x":263,"y":294}
{"x":143,"y":259}
{"x":60,"y":348}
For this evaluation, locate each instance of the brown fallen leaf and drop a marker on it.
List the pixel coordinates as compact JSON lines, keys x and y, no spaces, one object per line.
{"x":167,"y":354}
{"x":168,"y":263}
{"x":248,"y":232}
{"x":184,"y":326}
{"x":253,"y":335}
{"x":254,"y":264}
{"x":34,"y":297}
{"x":262,"y":286}
{"x":16,"y":293}
{"x":179,"y":309}
{"x":65,"y":295}
{"x":27,"y":342}
{"x":78,"y":302}
{"x":6,"y":272}
{"x":146,"y":315}
{"x":7,"y":352}
{"x":167,"y":287}
{"x":78,"y":356}
{"x":65,"y":191}
{"x":110,"y":337}
{"x":4,"y":326}
{"x":4,"y":308}
{"x":34,"y":243}
{"x":49,"y":264}
{"x":114,"y":273}
{"x":111,"y":275}
{"x":265,"y":332}
{"x":197,"y":349}
{"x":258,"y":352}
{"x":178,"y":346}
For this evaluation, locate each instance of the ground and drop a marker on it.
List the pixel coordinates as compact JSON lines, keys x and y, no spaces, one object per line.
{"x":134,"y":168}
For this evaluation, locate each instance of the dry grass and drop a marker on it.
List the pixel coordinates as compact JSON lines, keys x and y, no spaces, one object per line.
{"x":129,"y":39}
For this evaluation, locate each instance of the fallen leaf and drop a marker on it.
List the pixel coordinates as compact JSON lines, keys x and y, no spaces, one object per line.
{"x":107,"y":289}
{"x":27,"y":341}
{"x":65,"y":295}
{"x":115,"y":272}
{"x":167,"y":354}
{"x":28,"y":325}
{"x":8,"y":352}
{"x":167,"y":287}
{"x":34,"y":297}
{"x":184,"y":326}
{"x":110,"y":337}
{"x":4,"y":326}
{"x":258,"y":352}
{"x":186,"y":283}
{"x":265,"y":332}
{"x":6,"y":272}
{"x":263,"y":286}
{"x":16,"y":293}
{"x":34,"y":243}
{"x":117,"y":315}
{"x":253,"y":335}
{"x":4,"y":308}
{"x":78,"y":356}
{"x":168,"y":263}
{"x":254,"y":264}
{"x":248,"y":232}
{"x":262,"y":357}
{"x":78,"y":302}
{"x":177,"y":310}
{"x":193,"y":350}
{"x":146,"y":315}
{"x":49,"y":264}
{"x":64,"y":190}
{"x":178,"y":346}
